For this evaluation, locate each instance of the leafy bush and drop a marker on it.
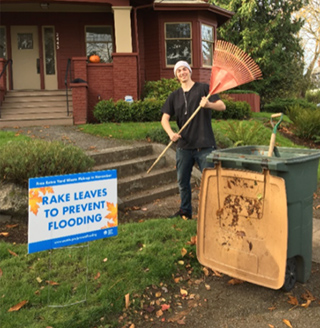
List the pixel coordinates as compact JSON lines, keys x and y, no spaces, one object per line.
{"x":160,"y":89}
{"x":236,"y":110}
{"x":148,"y":110}
{"x":242,"y":134}
{"x":159,"y":135}
{"x":313,"y":96}
{"x":236,"y":91}
{"x":21,"y":160}
{"x":306,"y":122}
{"x":280,"y":105}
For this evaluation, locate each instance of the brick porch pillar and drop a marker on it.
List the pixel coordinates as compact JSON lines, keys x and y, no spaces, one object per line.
{"x":80,"y":91}
{"x":125,"y":75}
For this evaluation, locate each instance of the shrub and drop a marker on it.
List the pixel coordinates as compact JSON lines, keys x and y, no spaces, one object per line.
{"x":104,"y":111}
{"x":21,"y":160}
{"x":148,"y":110}
{"x":280,"y":105}
{"x":313,"y":96}
{"x":160,"y":89}
{"x":241,"y":135}
{"x":236,"y":110}
{"x":306,"y":122}
{"x":159,"y":135}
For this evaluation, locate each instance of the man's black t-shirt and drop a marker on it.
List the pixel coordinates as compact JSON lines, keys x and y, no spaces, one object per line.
{"x":198,"y":133}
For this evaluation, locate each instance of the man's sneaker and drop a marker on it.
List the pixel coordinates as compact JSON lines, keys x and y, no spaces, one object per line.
{"x":183,"y":215}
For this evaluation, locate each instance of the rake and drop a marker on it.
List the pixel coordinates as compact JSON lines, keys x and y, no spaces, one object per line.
{"x":231,"y":67}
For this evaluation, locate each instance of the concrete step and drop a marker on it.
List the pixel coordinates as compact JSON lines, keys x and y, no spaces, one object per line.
{"x":141,"y":182}
{"x":35,"y":115}
{"x":35,"y":122}
{"x":132,"y":166}
{"x":34,"y":105}
{"x":119,"y":154}
{"x":149,"y":195}
{"x":36,"y":93}
{"x":135,"y":186}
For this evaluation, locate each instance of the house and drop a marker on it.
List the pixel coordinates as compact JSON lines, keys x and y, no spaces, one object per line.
{"x":46,"y":45}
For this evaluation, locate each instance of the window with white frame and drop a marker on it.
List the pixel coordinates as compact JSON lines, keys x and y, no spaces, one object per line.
{"x":178,"y":42}
{"x":3,"y":43}
{"x":207,"y":41}
{"x":99,"y":41}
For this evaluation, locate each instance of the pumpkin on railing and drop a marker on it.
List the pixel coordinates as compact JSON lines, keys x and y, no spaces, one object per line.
{"x":94,"y":59}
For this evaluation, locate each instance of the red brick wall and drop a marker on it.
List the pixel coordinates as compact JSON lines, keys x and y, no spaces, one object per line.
{"x":124,"y":75}
{"x":80,"y":102}
{"x":251,"y":98}
{"x":100,"y":80}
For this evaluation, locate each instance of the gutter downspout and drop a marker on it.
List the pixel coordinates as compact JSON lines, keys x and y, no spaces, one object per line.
{"x":135,"y":9}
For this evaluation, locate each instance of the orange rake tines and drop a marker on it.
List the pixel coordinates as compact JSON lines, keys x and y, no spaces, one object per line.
{"x":231,"y":68}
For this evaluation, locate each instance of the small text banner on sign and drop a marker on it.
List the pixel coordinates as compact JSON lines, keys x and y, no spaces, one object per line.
{"x":71,"y":209}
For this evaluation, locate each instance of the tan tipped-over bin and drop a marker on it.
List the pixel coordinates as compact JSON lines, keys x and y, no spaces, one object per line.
{"x":241,"y":231}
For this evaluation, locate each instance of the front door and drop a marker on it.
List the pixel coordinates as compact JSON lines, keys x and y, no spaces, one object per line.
{"x":25,"y":57}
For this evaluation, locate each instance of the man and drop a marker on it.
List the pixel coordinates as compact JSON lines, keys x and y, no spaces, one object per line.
{"x":197,"y":140}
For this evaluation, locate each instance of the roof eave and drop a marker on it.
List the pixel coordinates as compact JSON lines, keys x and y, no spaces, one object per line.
{"x":223,"y":15}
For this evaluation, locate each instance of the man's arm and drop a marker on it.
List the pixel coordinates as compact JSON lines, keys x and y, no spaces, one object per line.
{"x":165,"y":122}
{"x":217,"y":105}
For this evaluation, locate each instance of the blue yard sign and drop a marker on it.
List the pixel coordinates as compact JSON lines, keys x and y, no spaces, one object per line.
{"x":72,"y":209}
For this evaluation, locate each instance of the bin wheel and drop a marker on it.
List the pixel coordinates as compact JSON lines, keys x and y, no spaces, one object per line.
{"x":291,"y":274}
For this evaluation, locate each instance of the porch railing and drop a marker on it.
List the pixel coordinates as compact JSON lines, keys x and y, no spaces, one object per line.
{"x":68,"y":72}
{"x":9,"y":62}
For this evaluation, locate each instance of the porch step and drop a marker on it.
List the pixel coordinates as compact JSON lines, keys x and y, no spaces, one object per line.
{"x":135,"y":186}
{"x":36,"y":107}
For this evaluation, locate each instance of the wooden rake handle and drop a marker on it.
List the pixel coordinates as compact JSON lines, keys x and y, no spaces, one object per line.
{"x":171,"y":142}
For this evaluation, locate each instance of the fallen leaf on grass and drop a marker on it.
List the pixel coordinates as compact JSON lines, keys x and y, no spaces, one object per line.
{"x":308,"y":296}
{"x":183,"y":292}
{"x":205,"y":271}
{"x":127,"y":300}
{"x":271,"y":326}
{"x":193,"y":241}
{"x":177,"y":280}
{"x":208,"y":287}
{"x":183,"y":252}
{"x":293,"y":300}
{"x":105,"y":260}
{"x":18,"y":306}
{"x":97,"y":276}
{"x":39,"y":280}
{"x":305,"y":305}
{"x":4,"y":234}
{"x":10,"y":226}
{"x":180,"y":316}
{"x":165,"y":307}
{"x":287,"y":322}
{"x":235,"y":281}
{"x":12,"y":253}
{"x":0,"y":273}
{"x":271,"y":308}
{"x":159,"y":313}
{"x":52,"y":283}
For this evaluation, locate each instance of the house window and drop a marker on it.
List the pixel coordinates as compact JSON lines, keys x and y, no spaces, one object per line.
{"x":99,"y":42}
{"x":178,"y":43}
{"x":207,"y":44}
{"x":3,"y":44}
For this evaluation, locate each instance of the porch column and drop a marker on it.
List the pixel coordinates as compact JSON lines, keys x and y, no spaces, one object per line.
{"x":122,"y":28}
{"x":80,"y":91}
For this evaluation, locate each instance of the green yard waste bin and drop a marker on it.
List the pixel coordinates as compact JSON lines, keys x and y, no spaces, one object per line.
{"x":298,"y":167}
